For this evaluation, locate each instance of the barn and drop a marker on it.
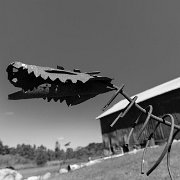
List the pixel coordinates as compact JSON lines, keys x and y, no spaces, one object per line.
{"x":164,"y":98}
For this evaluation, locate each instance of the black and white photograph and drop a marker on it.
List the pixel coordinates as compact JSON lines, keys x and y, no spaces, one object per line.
{"x":89,"y":90}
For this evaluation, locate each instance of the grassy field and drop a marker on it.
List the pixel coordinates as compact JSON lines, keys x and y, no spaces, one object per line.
{"x":121,"y":168}
{"x":127,"y":167}
{"x":38,"y":171}
{"x":52,"y":166}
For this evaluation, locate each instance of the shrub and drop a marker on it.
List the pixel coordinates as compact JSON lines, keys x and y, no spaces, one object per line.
{"x":41,"y":158}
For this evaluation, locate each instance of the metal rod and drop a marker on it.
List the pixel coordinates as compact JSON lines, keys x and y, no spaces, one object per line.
{"x":146,"y":147}
{"x":143,"y":157}
{"x":129,"y":107}
{"x":146,"y":121}
{"x":119,"y":89}
{"x":168,"y":161}
{"x":114,"y":122}
{"x":152,"y":116}
{"x":166,"y":147}
{"x":137,"y":121}
{"x":122,"y":114}
{"x":168,"y":156}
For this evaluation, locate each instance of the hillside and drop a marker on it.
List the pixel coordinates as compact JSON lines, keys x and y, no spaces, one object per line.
{"x":128,"y":167}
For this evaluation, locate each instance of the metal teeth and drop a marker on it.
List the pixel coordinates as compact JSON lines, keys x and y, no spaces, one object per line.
{"x":55,"y":99}
{"x":49,"y":99}
{"x":61,"y":99}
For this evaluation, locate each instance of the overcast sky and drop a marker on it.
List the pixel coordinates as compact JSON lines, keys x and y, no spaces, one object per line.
{"x":134,"y":42}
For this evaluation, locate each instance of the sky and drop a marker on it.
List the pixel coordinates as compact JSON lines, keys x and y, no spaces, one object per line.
{"x":134,"y":42}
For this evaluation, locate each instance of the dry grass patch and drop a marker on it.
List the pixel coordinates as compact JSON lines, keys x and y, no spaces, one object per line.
{"x":127,"y":167}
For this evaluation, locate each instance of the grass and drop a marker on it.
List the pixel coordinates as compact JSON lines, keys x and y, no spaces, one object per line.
{"x":29,"y":168}
{"x":16,"y":161}
{"x":127,"y":167}
{"x":39,"y":171}
{"x":52,"y":166}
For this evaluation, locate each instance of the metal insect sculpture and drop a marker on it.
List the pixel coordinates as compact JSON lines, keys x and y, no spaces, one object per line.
{"x":48,"y":83}
{"x":76,"y":87}
{"x":174,"y":130}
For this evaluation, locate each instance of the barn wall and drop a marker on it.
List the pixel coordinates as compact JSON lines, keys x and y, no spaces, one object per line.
{"x":116,"y":136}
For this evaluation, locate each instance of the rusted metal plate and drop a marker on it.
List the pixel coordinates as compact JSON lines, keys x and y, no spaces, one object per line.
{"x":51,"y":73}
{"x":57,"y":84}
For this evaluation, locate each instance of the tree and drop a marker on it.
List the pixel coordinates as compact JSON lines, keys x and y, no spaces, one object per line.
{"x":69,"y":153}
{"x":41,"y":156}
{"x":5,"y":149}
{"x":1,"y":147}
{"x":12,"y":151}
{"x":51,"y":155}
{"x":26,"y":151}
{"x":82,"y":153}
{"x":95,"y":149}
{"x":57,"y":150}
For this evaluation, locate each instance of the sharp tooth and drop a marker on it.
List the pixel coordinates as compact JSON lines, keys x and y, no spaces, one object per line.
{"x":68,"y":103}
{"x":61,"y":100}
{"x":55,"y":99}
{"x":49,"y":99}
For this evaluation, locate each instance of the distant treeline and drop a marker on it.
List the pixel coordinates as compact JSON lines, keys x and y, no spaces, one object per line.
{"x":40,"y":154}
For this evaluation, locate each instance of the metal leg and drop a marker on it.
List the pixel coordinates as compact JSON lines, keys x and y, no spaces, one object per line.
{"x":149,"y":116}
{"x":166,"y":147}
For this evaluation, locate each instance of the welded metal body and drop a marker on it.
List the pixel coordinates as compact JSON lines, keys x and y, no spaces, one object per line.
{"x":74,"y":87}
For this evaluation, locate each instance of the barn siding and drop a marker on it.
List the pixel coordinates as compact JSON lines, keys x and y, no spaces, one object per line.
{"x":116,"y":136}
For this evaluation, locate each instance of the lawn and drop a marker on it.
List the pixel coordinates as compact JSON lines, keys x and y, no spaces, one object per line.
{"x":52,"y":167}
{"x":128,"y":167}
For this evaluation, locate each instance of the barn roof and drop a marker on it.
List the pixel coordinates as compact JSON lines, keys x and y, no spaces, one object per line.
{"x":145,"y":95}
